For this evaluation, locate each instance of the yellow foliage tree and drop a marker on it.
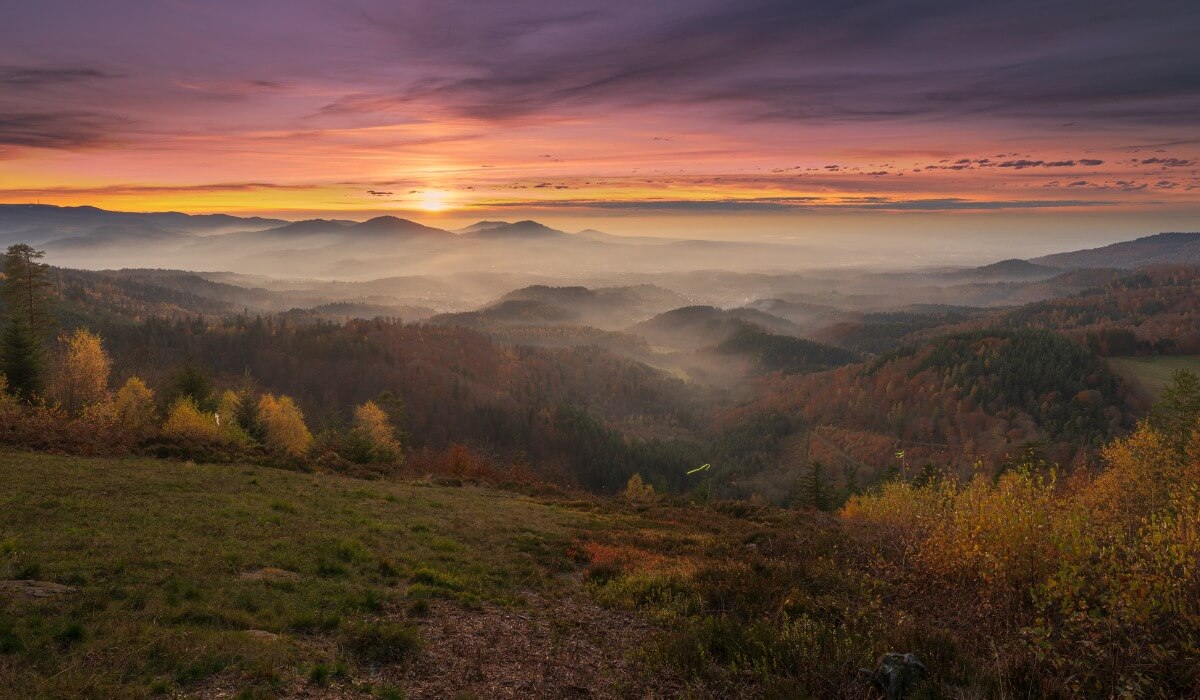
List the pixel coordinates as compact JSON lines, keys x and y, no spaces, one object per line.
{"x":636,"y":489}
{"x":1142,"y":472}
{"x":283,"y":424}
{"x":187,"y":422}
{"x":134,"y":406}
{"x":81,"y":369}
{"x":228,"y":409}
{"x":373,"y":436}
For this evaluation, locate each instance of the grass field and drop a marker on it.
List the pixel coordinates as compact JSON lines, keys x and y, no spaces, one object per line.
{"x":131,"y":578}
{"x":184,"y":574}
{"x":1151,"y":374}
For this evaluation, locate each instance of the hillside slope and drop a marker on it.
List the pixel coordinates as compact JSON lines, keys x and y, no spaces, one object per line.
{"x":1159,"y":249}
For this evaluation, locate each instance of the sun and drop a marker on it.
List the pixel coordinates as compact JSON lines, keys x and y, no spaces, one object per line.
{"x":432,"y":200}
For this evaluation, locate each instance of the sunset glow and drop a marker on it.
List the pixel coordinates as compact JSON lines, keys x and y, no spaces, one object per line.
{"x":656,"y":113}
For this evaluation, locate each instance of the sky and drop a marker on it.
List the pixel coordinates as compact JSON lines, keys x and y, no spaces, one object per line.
{"x":793,"y":119}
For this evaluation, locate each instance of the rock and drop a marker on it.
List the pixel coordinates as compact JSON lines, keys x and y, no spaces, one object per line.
{"x":270,"y":573}
{"x":35,"y":589}
{"x":895,"y":674}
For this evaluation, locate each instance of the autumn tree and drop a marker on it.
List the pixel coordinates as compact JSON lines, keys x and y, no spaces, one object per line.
{"x":283,"y":425}
{"x":81,"y":369}
{"x":134,"y":405}
{"x":372,"y":436}
{"x":636,"y":489}
{"x":229,"y":408}
{"x":186,"y":422}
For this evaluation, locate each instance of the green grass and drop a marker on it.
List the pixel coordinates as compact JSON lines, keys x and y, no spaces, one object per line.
{"x":159,"y":551}
{"x":1151,"y":374}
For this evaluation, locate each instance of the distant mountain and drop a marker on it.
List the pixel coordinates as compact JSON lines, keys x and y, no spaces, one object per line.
{"x":604,"y":307}
{"x":83,"y":227}
{"x":693,"y":327}
{"x":526,"y":229}
{"x":1013,"y":269}
{"x":394,"y":227}
{"x":1163,"y":248}
{"x":511,"y":311}
{"x":482,"y":225}
{"x":798,"y":312}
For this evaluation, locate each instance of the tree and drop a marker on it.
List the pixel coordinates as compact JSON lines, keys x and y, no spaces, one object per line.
{"x":228,"y":410}
{"x":283,"y":424}
{"x":27,"y":301}
{"x":80,"y":376}
{"x":27,"y":287}
{"x":23,"y":357}
{"x":372,"y":436}
{"x":1174,"y":415}
{"x":192,"y":382}
{"x":135,"y":406}
{"x":397,"y":415}
{"x":814,"y":491}
{"x":638,"y":490}
{"x":188,"y":423}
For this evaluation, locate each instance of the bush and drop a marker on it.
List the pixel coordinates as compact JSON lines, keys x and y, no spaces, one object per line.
{"x":381,"y":641}
{"x":187,"y":424}
{"x":283,"y":425}
{"x":372,"y":437}
{"x":81,"y":367}
{"x":134,"y":406}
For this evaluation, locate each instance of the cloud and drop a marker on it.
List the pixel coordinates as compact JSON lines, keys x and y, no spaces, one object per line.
{"x":34,"y":77}
{"x":791,"y":204}
{"x":56,"y":130}
{"x":1167,"y":162}
{"x":800,"y":60}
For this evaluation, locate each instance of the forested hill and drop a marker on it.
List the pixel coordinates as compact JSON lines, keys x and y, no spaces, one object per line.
{"x":980,"y":395}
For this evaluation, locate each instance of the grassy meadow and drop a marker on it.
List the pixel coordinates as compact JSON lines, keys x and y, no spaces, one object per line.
{"x":1150,"y":374}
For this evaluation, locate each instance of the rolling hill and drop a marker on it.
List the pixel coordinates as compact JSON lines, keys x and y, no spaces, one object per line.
{"x":1159,"y":249}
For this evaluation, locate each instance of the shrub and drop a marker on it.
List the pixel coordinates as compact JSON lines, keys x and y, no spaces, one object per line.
{"x":638,"y":490}
{"x":81,"y":368}
{"x":187,"y":423}
{"x":134,"y":406}
{"x":228,"y":409}
{"x":372,"y":437}
{"x":381,"y":641}
{"x":283,"y":425}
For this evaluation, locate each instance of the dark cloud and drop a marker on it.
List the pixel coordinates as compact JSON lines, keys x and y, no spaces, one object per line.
{"x":808,"y":59}
{"x":33,"y":76}
{"x":59,"y":130}
{"x":1167,"y":162}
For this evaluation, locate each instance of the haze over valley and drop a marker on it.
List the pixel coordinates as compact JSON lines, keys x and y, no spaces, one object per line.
{"x":386,"y":349}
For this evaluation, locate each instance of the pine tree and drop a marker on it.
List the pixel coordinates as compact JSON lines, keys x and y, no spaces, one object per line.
{"x":23,"y":357}
{"x":26,"y":288}
{"x":1178,"y":408}
{"x":27,"y":311}
{"x":815,"y":492}
{"x":192,"y":382}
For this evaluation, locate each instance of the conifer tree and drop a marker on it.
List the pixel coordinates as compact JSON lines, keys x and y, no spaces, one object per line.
{"x":27,"y":320}
{"x":26,"y":288}
{"x":23,"y":357}
{"x":1178,"y":408}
